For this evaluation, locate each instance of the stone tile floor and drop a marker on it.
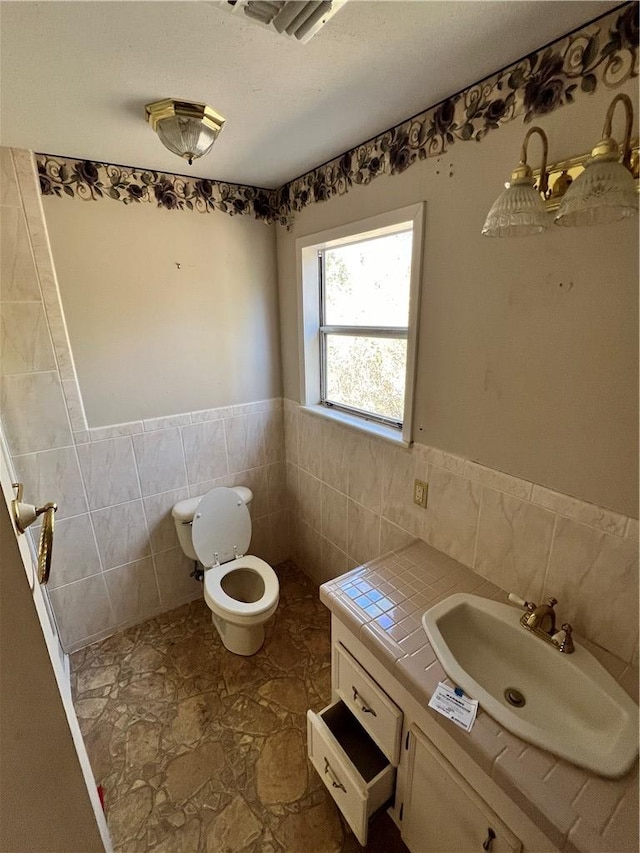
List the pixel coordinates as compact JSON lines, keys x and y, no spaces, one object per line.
{"x":198,"y":749}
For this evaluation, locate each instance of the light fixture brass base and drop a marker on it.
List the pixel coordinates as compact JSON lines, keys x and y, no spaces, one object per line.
{"x":564,"y":172}
{"x":169,"y":107}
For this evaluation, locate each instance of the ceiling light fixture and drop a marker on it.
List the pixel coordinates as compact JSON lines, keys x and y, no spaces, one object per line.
{"x":187,"y":128}
{"x":519,"y":210}
{"x":605,"y":191}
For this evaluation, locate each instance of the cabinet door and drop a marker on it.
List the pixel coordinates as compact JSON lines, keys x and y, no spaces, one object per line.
{"x":442,"y":813}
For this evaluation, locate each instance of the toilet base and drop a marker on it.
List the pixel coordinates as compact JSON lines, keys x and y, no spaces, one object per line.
{"x":239,"y":639}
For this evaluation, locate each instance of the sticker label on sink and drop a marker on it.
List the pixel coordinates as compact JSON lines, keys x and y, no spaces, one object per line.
{"x":460,"y":709}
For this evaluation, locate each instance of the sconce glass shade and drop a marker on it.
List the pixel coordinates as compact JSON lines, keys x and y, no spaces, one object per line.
{"x":186,"y":128}
{"x":517,"y":212}
{"x":604,"y":192}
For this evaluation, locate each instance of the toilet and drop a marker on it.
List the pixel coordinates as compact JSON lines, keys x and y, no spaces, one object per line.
{"x":241,"y":591}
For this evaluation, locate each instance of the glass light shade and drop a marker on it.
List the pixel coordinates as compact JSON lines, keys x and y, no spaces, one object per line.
{"x":185,"y":136}
{"x":517,"y":212}
{"x":604,"y":192}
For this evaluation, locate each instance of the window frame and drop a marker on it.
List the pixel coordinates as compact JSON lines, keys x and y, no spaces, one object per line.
{"x":309,"y":315}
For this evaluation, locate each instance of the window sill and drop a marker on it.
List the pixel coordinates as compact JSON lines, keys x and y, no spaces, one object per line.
{"x":370,"y":428}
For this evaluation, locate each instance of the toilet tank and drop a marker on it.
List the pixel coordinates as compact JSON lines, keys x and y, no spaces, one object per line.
{"x":184,"y":511}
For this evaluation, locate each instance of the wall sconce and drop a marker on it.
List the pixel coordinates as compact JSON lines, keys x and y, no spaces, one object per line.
{"x":586,"y":190}
{"x":605,"y":191}
{"x":519,"y":210}
{"x":186,"y":128}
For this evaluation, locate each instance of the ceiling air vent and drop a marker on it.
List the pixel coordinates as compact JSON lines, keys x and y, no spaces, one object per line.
{"x":297,"y":19}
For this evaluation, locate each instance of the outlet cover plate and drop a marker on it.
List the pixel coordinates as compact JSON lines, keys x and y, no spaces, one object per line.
{"x":420,"y":492}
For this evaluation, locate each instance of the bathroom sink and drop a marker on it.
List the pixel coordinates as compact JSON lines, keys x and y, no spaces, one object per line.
{"x":572,"y":706}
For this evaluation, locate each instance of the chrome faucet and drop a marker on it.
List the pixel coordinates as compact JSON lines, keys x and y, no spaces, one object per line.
{"x":541,"y":621}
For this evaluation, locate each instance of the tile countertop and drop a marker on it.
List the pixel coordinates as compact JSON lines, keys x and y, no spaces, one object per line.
{"x":382,"y":603}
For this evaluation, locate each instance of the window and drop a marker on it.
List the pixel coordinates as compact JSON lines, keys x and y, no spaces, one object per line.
{"x":359,"y":299}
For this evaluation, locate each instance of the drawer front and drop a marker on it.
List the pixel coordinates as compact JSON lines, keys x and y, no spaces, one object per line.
{"x":356,"y":798}
{"x":368,"y":702}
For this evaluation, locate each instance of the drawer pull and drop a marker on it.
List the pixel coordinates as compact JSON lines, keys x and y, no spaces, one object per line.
{"x":365,"y":708}
{"x":487,"y":842}
{"x":334,"y":779}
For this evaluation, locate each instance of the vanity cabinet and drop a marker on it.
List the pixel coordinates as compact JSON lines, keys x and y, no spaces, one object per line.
{"x":442,"y":812}
{"x":377,"y":746}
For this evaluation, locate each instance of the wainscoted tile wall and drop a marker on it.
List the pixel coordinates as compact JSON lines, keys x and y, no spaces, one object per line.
{"x":116,"y":559}
{"x":352,"y":500}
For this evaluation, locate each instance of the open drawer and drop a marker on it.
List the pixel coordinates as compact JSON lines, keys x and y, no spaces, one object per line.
{"x":357,"y":774}
{"x":367,"y":701}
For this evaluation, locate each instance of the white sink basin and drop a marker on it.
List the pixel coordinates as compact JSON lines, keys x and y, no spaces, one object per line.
{"x":573,"y":707}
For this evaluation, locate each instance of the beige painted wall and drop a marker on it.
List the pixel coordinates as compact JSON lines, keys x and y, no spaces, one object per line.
{"x":151,"y":339}
{"x":528,"y":352}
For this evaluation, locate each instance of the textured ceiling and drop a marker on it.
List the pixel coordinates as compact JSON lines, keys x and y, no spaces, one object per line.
{"x":75,"y":76}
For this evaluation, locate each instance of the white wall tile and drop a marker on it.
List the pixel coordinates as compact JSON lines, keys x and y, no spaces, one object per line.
{"x":245,"y":441}
{"x":366,"y":474}
{"x":514,"y":541}
{"x":334,"y":517}
{"x":53,"y":475}
{"x":74,"y":555}
{"x":291,"y":435}
{"x":333,"y":562}
{"x":75,"y":409}
{"x":116,"y":430}
{"x":337,"y":446}
{"x":363,"y":533}
{"x":309,"y":499}
{"x":160,"y":459}
{"x":392,"y":537}
{"x":82,"y":609}
{"x":273,"y":427}
{"x":161,"y":525}
{"x":205,"y":451}
{"x":400,"y":468}
{"x":133,"y":591}
{"x":451,"y":518}
{"x":24,"y":338}
{"x":498,"y":480}
{"x":121,"y":532}
{"x":166,"y":422}
{"x":109,"y":472}
{"x":9,"y":193}
{"x":594,"y":576}
{"x":595,"y":516}
{"x":279,"y":523}
{"x":18,"y":277}
{"x":256,"y":480}
{"x":310,"y":435}
{"x":173,"y":569}
{"x":277,"y":487}
{"x":34,"y":413}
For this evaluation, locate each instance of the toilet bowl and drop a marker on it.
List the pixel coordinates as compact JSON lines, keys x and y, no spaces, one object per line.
{"x":241,"y":590}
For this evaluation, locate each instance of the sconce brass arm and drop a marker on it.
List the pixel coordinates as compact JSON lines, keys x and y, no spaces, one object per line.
{"x":523,"y":173}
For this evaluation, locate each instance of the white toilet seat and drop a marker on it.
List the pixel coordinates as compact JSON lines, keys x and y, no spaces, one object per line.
{"x":226,"y":606}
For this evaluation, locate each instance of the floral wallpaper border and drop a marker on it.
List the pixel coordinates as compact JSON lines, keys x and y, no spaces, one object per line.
{"x":604,"y":53}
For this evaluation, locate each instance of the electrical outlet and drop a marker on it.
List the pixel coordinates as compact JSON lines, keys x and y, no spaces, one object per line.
{"x":420,"y":492}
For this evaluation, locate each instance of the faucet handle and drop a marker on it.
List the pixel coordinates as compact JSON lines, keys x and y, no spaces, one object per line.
{"x":526,"y":605}
{"x":552,"y":601}
{"x":564,"y":640}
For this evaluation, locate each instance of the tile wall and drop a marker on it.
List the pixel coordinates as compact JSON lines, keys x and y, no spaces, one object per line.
{"x":116,"y":559}
{"x":351,"y":500}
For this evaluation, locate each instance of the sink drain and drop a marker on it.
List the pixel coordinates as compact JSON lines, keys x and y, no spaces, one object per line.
{"x":514,"y":697}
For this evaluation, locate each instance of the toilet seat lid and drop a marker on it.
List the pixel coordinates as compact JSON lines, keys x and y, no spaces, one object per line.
{"x":222,"y":526}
